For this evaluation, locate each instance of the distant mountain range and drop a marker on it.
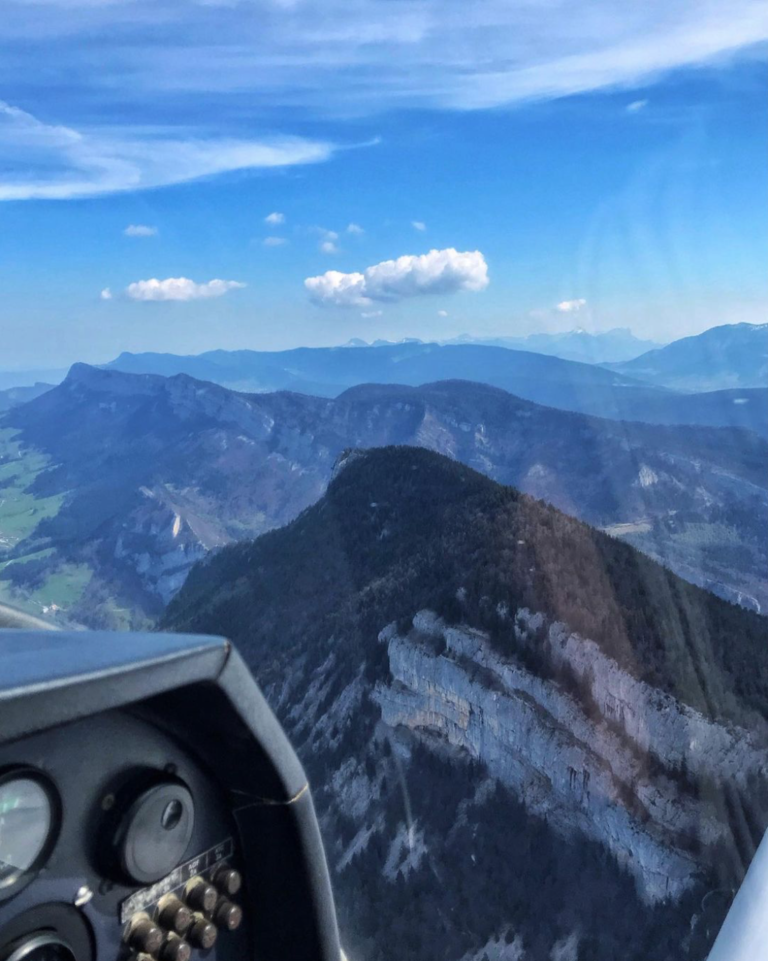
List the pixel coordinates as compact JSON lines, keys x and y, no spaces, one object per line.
{"x":13,"y":396}
{"x":602,"y":347}
{"x":731,"y":356}
{"x":328,"y":371}
{"x":30,"y":378}
{"x":113,"y":484}
{"x":526,"y":739}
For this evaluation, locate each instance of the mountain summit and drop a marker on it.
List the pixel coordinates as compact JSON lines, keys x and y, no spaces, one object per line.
{"x":731,"y":356}
{"x":506,"y":715}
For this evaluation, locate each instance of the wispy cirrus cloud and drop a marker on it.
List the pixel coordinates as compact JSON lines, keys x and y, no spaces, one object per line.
{"x":177,"y":288}
{"x":53,"y":162}
{"x":340,"y":57}
{"x":437,"y":272}
{"x":182,"y":89}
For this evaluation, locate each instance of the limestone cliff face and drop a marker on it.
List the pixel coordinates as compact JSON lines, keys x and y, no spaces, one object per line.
{"x":584,"y":767}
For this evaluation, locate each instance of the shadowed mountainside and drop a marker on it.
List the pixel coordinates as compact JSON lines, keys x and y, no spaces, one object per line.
{"x":117,"y":483}
{"x":523,"y":734}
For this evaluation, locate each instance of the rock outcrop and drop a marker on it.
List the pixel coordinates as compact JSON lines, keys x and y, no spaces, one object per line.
{"x":612,"y":764}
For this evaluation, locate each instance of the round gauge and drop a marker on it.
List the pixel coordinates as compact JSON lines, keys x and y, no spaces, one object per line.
{"x":27,"y":825}
{"x":42,"y":947}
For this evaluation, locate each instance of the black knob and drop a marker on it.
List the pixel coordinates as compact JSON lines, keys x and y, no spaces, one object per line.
{"x":154,"y":831}
{"x":175,"y":949}
{"x":174,"y":915}
{"x":228,"y":915}
{"x":203,"y":934}
{"x":144,"y":936}
{"x":227,"y":880}
{"x":200,"y":895}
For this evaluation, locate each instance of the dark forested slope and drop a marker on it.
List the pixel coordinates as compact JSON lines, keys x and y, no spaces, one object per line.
{"x":569,"y":767}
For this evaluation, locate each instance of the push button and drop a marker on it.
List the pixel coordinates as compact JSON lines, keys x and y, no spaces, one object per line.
{"x":228,"y":915}
{"x":174,"y":915}
{"x":200,"y":895}
{"x":203,"y":934}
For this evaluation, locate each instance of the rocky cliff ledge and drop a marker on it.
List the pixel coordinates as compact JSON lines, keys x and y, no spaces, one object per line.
{"x":614,"y":763}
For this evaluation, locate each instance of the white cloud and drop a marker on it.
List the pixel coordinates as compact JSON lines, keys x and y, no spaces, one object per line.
{"x":274,"y":241}
{"x":418,"y":225}
{"x":355,"y":229}
{"x":274,"y":219}
{"x":636,"y":105}
{"x":106,"y":294}
{"x":328,"y":238}
{"x":338,"y":289}
{"x":46,"y":161}
{"x":338,"y":57}
{"x":442,"y":313}
{"x":179,"y":288}
{"x":372,"y":313}
{"x":570,"y":306}
{"x":140,"y":230}
{"x":438,"y":272}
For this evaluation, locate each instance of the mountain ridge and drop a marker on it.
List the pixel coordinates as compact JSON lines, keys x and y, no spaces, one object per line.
{"x":729,"y":356}
{"x":423,"y":626}
{"x":136,"y":476}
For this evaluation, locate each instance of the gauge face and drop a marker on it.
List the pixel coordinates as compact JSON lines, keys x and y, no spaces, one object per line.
{"x":26,"y":826}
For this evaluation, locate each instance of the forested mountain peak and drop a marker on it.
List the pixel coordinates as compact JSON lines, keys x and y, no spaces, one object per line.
{"x":488,"y":692}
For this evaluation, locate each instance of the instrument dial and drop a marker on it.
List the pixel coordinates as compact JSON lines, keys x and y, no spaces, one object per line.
{"x":27,"y":826}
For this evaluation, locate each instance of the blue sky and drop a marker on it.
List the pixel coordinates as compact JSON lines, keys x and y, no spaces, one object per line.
{"x":607,"y":160}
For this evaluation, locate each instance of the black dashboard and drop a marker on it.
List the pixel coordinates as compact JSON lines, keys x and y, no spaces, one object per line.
{"x":170,"y":826}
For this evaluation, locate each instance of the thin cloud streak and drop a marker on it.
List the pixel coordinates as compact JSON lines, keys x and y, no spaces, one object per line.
{"x":120,"y":58}
{"x":46,"y":161}
{"x":340,"y":57}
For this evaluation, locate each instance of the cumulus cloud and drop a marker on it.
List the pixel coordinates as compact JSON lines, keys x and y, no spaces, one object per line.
{"x":274,"y":219}
{"x":179,"y":288}
{"x":437,"y":272}
{"x":140,"y":230}
{"x":355,"y":229}
{"x":106,"y":294}
{"x":636,"y":105}
{"x":274,"y":241}
{"x":328,"y":238}
{"x":571,"y":306}
{"x":367,"y":314}
{"x":418,"y":225}
{"x":53,"y":162}
{"x":442,"y":313}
